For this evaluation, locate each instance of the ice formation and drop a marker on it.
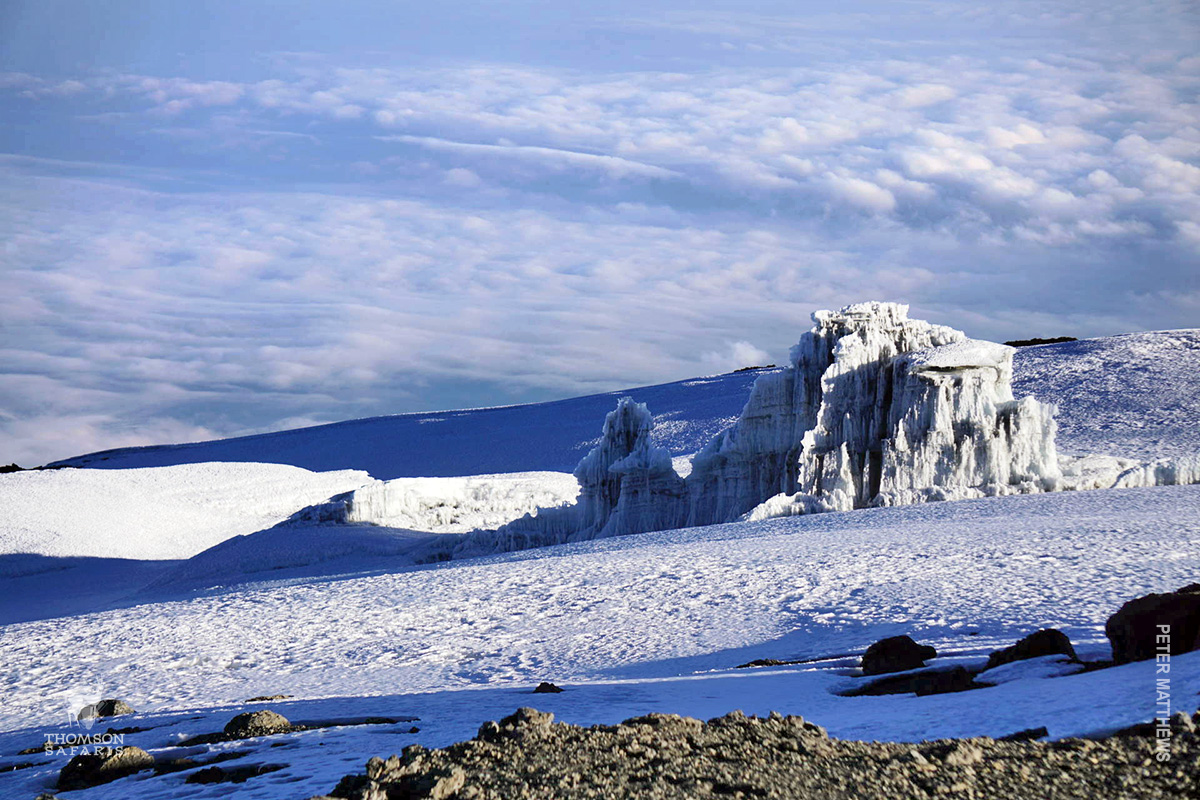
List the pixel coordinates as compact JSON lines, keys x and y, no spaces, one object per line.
{"x":874,"y":409}
{"x":626,"y":485}
{"x":447,"y":505}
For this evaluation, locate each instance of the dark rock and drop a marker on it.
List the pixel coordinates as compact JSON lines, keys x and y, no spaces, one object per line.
{"x":547,"y":688}
{"x":895,"y":654}
{"x":524,"y":723}
{"x":166,"y":766}
{"x":268,"y":697}
{"x":926,"y":682}
{"x":106,"y":708}
{"x":257,"y":723}
{"x":10,"y":468}
{"x":1027,"y":735}
{"x":1037,"y":341}
{"x":763,"y":662}
{"x":232,"y":774}
{"x":1046,"y":642}
{"x":104,"y":765}
{"x":1134,"y":629}
{"x":21,"y":765}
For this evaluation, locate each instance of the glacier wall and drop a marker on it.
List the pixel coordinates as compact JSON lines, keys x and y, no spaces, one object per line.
{"x":626,"y":485}
{"x":447,"y":505}
{"x":877,"y":409}
{"x":874,"y":409}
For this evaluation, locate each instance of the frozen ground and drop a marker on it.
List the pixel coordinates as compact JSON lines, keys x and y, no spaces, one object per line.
{"x":1134,"y":395}
{"x":173,"y":512}
{"x":653,"y":622}
{"x":340,"y":618}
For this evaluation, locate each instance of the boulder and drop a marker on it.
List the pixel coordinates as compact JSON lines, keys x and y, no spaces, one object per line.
{"x":524,"y":723}
{"x":257,"y":723}
{"x":895,"y":654}
{"x":104,"y":765}
{"x":547,"y":688}
{"x":106,"y":708}
{"x":1046,"y":642}
{"x":1026,"y":735}
{"x":1134,"y":629}
{"x":923,"y":683}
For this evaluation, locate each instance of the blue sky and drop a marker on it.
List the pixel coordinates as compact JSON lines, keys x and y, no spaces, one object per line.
{"x":228,"y":217}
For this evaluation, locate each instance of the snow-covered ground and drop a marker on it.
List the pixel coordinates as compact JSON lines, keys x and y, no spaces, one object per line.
{"x":1133,"y":395}
{"x":171,"y":512}
{"x":340,"y":617}
{"x":653,"y":622}
{"x":528,"y":438}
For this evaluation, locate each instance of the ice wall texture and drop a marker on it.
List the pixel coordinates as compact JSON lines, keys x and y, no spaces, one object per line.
{"x":874,"y":409}
{"x":626,"y":485}
{"x":877,"y":409}
{"x":447,"y":505}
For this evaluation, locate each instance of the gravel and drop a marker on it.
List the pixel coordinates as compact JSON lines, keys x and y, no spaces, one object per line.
{"x":527,"y":755}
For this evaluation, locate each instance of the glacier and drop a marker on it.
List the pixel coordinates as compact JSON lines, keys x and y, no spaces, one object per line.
{"x":874,"y":409}
{"x":446,"y":505}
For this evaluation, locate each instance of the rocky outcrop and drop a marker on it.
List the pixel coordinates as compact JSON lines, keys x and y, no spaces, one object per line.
{"x":257,"y":723}
{"x":1046,"y":642}
{"x":895,"y":654}
{"x":106,"y":708}
{"x":104,"y":765}
{"x":1136,"y":628}
{"x":662,"y":756}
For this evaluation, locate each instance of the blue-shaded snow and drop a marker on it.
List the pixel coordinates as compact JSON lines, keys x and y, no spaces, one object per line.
{"x":542,"y":436}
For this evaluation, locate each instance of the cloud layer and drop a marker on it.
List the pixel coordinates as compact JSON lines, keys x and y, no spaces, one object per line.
{"x":189,"y":257}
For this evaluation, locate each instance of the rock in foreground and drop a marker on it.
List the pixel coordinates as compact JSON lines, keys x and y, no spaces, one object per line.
{"x":106,"y":764}
{"x":257,"y":723}
{"x":663,"y":756}
{"x":895,"y":654}
{"x":106,"y":708}
{"x":1046,"y":642}
{"x":1135,"y":628}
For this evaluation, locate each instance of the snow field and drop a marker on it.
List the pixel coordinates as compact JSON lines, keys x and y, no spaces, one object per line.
{"x":163,"y":513}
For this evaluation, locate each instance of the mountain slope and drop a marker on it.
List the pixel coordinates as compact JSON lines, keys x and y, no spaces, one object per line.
{"x":1136,"y":395}
{"x":527,"y":438}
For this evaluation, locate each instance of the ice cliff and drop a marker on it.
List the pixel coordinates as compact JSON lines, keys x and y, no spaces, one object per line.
{"x":874,"y":409}
{"x":626,"y":485}
{"x":446,"y":505}
{"x":877,"y":409}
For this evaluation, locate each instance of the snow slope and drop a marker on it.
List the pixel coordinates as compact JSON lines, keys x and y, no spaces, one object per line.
{"x":528,"y":438}
{"x":651,"y":622}
{"x":339,"y":617}
{"x":1136,"y":395}
{"x":172,"y":512}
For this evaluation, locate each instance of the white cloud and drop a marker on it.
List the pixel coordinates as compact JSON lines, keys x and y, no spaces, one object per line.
{"x":334,"y":241}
